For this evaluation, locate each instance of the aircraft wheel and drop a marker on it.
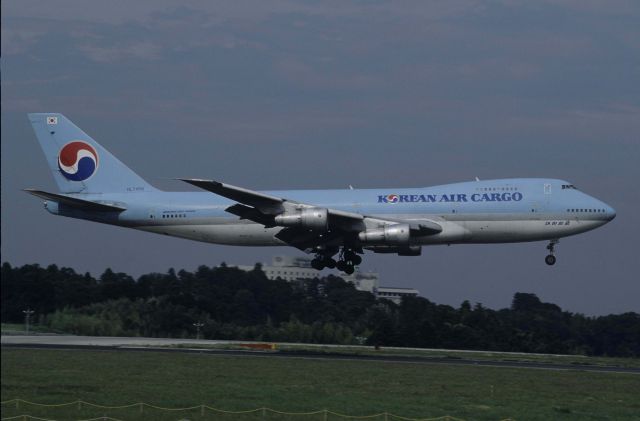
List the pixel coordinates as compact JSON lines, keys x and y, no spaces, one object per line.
{"x":550,"y":260}
{"x":356,"y":259}
{"x":341,"y":265}
{"x":330,"y":263}
{"x":317,"y":264}
{"x":349,"y":270}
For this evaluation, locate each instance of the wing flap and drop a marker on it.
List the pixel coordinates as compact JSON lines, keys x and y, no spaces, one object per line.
{"x":75,"y":202}
{"x":252,"y":214}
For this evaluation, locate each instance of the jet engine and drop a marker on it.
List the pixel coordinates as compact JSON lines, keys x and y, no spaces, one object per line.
{"x":315,"y":219}
{"x":389,"y":234}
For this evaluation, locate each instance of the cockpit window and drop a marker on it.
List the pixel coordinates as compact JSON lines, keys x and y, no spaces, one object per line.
{"x":569,"y":186}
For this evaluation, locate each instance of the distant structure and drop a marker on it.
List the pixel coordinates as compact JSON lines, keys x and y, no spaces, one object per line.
{"x":293,"y":268}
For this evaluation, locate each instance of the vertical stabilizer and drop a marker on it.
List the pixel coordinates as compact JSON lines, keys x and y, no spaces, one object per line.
{"x":78,"y":163}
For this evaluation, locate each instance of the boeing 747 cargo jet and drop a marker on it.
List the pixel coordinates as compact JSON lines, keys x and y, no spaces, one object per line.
{"x":336,"y":225}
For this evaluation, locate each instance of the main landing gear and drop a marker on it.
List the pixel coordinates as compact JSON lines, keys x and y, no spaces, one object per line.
{"x":348,"y":258}
{"x":551,"y":259}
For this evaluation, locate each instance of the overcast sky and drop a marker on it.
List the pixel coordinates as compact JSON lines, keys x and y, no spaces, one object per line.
{"x":295,"y":95}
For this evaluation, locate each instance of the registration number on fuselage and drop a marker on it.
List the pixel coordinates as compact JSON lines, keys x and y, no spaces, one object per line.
{"x":557,"y":223}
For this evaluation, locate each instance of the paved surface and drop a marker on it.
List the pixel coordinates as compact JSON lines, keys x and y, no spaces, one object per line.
{"x":19,"y":337}
{"x":169,"y":345}
{"x":104,"y":341}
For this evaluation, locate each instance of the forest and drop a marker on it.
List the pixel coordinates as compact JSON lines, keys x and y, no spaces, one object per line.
{"x":245,"y":305}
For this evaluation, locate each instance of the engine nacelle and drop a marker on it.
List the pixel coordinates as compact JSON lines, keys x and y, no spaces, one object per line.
{"x":400,"y":251}
{"x":315,"y":219}
{"x":389,"y":234}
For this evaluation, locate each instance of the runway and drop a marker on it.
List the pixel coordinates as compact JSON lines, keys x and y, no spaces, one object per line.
{"x":85,"y":343}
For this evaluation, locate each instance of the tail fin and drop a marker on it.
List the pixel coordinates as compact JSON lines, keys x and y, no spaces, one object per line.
{"x":79,"y":164}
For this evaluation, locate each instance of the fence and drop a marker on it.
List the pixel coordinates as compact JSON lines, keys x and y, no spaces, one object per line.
{"x":21,"y":410}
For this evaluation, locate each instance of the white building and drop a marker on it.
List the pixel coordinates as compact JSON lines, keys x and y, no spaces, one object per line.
{"x":288,"y":268}
{"x":396,"y":294}
{"x":292,"y":268}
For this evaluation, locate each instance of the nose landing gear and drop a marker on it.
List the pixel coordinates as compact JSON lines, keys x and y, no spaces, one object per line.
{"x":551,"y":259}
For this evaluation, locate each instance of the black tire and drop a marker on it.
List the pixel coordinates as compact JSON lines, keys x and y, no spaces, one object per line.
{"x":550,"y":260}
{"x":341,"y":265}
{"x":330,"y":263}
{"x":356,"y":259}
{"x":317,"y":264}
{"x":349,"y":270}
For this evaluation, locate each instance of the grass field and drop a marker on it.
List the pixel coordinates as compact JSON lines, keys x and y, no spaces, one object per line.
{"x":300,"y":385}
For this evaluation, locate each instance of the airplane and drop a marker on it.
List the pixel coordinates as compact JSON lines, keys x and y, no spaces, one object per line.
{"x":335,"y":225}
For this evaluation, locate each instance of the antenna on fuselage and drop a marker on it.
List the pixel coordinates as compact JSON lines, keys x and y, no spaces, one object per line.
{"x":477,"y":179}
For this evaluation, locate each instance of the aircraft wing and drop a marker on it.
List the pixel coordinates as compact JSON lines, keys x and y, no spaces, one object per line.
{"x":260,"y":207}
{"x":265,"y":203}
{"x":77,"y":203}
{"x":266,"y":209}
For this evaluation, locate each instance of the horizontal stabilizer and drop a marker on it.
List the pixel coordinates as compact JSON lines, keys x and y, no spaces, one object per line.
{"x":77,"y":203}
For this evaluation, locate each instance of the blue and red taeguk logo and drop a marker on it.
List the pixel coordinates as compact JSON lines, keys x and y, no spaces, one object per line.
{"x":77,"y":160}
{"x":392,"y":198}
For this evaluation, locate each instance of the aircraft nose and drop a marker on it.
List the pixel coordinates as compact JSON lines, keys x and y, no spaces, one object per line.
{"x":610,"y":213}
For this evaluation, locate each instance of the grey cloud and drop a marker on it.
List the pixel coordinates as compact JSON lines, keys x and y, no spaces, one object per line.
{"x":138,"y":50}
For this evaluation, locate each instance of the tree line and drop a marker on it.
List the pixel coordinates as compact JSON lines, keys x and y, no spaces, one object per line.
{"x":245,"y":305}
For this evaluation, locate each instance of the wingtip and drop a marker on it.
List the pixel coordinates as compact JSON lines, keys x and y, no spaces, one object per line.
{"x":188,"y":180}
{"x":202,"y":183}
{"x":196,"y":181}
